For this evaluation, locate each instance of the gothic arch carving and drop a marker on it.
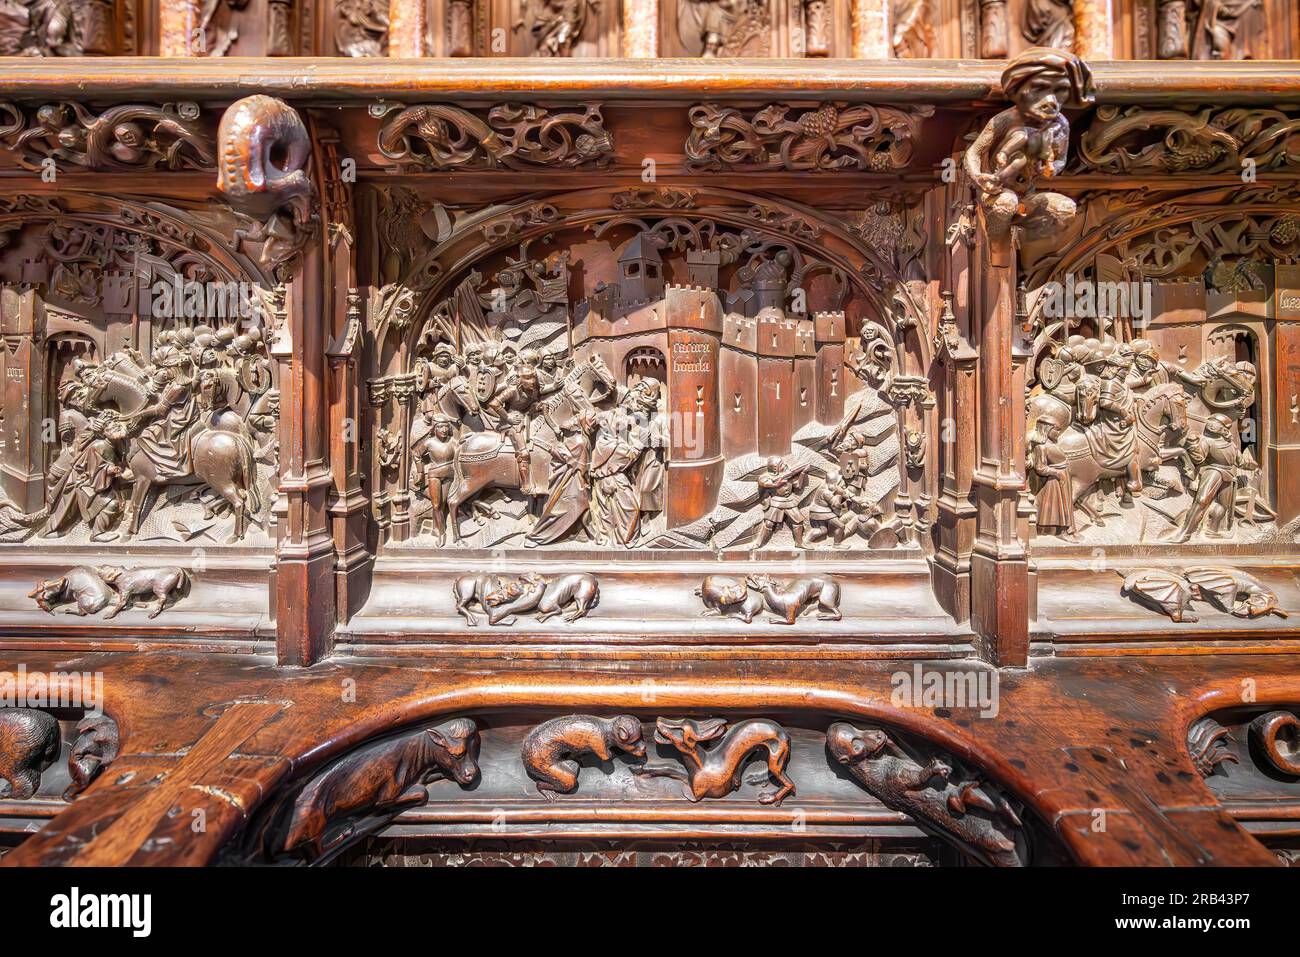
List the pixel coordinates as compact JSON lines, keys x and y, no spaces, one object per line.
{"x":497,"y":229}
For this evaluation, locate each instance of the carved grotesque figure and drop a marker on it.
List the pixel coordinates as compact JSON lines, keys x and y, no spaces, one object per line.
{"x":1029,"y":141}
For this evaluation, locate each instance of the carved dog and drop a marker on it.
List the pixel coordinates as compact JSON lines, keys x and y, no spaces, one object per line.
{"x":551,"y":749}
{"x":548,"y":599}
{"x":473,"y":589}
{"x":29,"y":743}
{"x":727,"y":596}
{"x":788,"y":601}
{"x":716,"y":772}
{"x":131,"y":583}
{"x":365,"y":790}
{"x":976,"y":817}
{"x":81,"y":585}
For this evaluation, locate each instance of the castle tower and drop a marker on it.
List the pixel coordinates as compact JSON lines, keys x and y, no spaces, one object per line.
{"x":640,"y":269}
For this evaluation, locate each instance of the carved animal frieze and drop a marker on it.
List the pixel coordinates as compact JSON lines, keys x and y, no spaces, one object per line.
{"x":1164,"y":591}
{"x":501,"y":599}
{"x":935,"y":791}
{"x":517,"y":136}
{"x":90,"y":590}
{"x":1138,"y":139}
{"x":716,"y":772}
{"x":553,"y":750}
{"x":96,"y":747}
{"x":729,"y":597}
{"x":1228,"y":589}
{"x":125,"y":137}
{"x":29,"y":743}
{"x":1207,"y":742}
{"x":1028,"y":141}
{"x":787,"y":600}
{"x":832,"y":136}
{"x":1233,"y":591}
{"x":1276,"y":737}
{"x":264,"y":152}
{"x":364,"y":790}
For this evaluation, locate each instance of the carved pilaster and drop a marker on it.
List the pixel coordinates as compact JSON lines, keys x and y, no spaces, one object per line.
{"x":253,"y":131}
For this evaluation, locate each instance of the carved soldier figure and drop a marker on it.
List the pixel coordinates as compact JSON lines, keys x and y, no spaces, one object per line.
{"x":1218,"y":460}
{"x":436,"y":453}
{"x":781,"y":492}
{"x":88,"y":489}
{"x":1028,"y":141}
{"x":1146,"y":370}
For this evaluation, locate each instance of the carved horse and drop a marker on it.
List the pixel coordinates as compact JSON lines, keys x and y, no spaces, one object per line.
{"x":1161,"y":426}
{"x":487,"y":459}
{"x":221,"y":449}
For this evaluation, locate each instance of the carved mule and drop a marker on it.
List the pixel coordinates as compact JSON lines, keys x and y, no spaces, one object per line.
{"x":487,"y":459}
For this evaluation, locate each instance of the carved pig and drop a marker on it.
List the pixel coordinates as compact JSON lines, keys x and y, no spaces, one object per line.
{"x":366,"y":789}
{"x":162,"y":583}
{"x":29,"y":743}
{"x":972,"y":815}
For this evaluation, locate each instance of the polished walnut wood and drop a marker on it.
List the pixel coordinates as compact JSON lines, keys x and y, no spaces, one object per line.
{"x":624,"y":447}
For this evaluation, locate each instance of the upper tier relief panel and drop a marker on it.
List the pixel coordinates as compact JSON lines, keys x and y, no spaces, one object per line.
{"x":665,"y":376}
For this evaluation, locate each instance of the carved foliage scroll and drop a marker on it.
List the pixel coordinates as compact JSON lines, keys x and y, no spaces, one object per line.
{"x":833,"y":136}
{"x":510,"y":136}
{"x":1209,"y":140}
{"x":127,"y":137}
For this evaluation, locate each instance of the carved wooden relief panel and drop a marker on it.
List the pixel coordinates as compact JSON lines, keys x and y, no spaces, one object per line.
{"x":519,"y":466}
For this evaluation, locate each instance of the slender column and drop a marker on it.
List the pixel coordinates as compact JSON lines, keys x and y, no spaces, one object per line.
{"x":1094,"y":29}
{"x":178,"y":28}
{"x":408,"y":22}
{"x":640,"y":28}
{"x":871,"y":39}
{"x":1000,"y":559}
